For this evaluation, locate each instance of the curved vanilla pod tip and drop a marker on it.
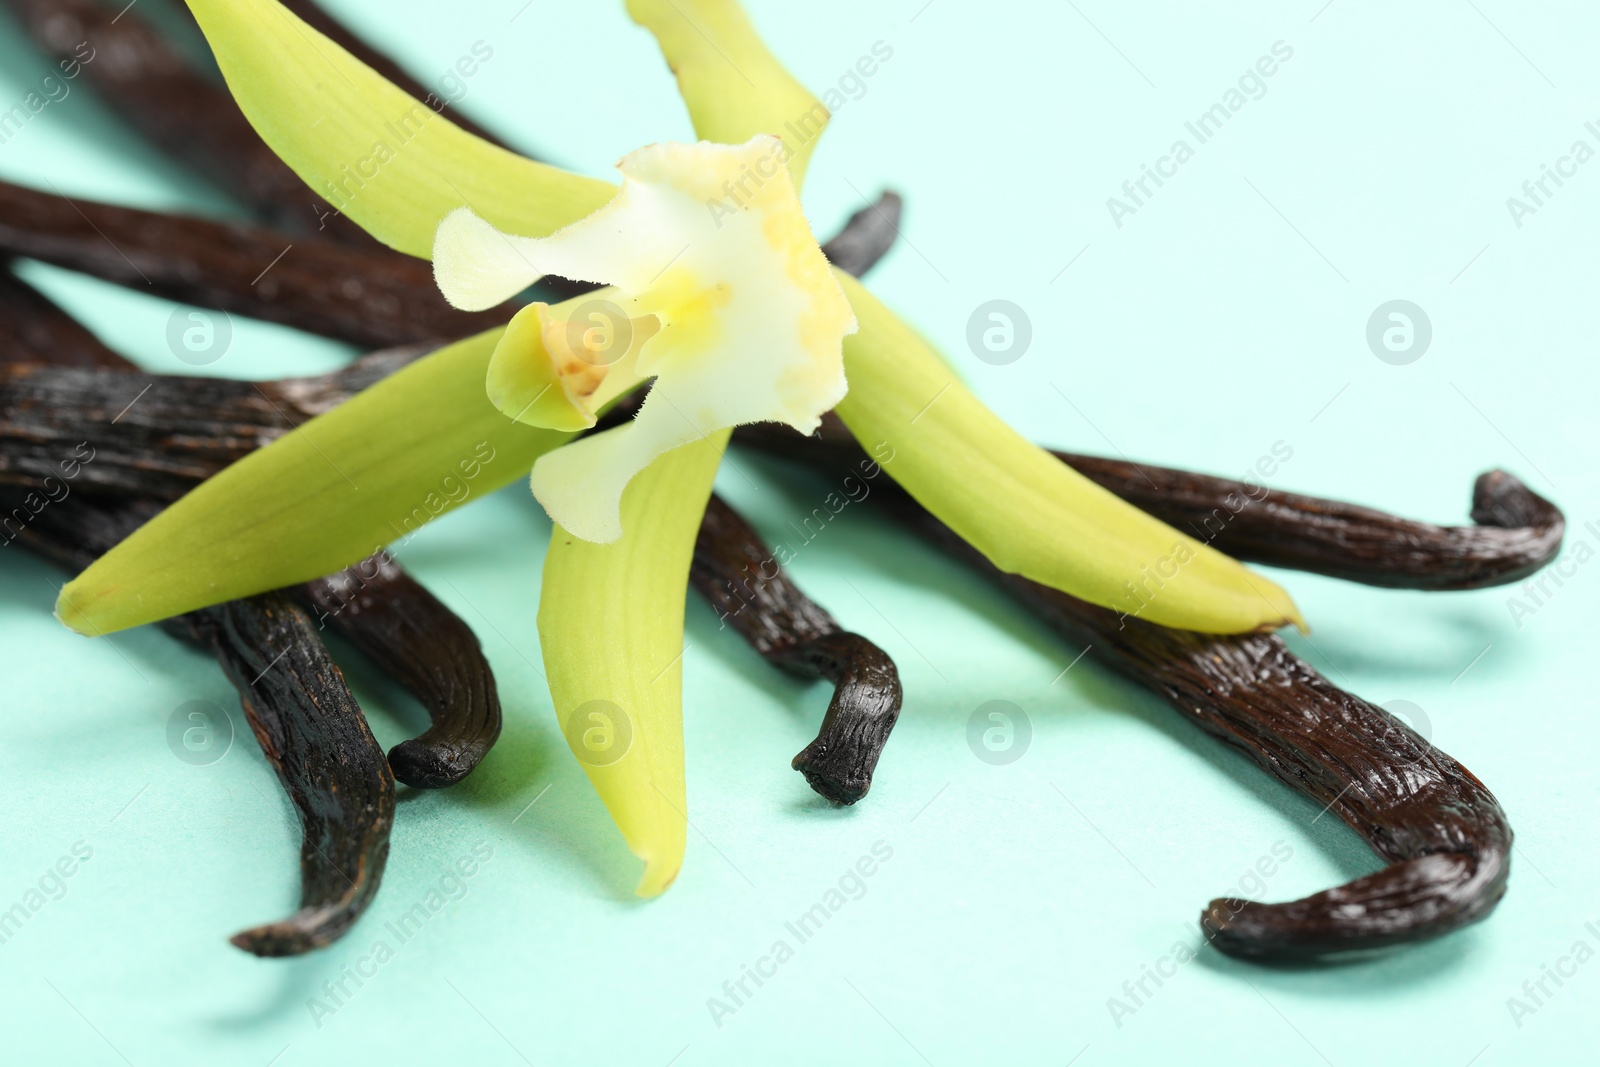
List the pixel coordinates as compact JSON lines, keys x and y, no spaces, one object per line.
{"x":1445,"y":837}
{"x":301,"y":712}
{"x":1443,"y":833}
{"x":411,"y":636}
{"x":794,"y":633}
{"x":1517,"y":531}
{"x":316,"y":738}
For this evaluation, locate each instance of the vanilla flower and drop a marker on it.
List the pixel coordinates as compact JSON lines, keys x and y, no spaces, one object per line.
{"x":724,"y":302}
{"x":734,"y":315}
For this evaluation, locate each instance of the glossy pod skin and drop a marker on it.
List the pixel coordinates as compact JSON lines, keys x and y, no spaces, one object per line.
{"x":33,"y":330}
{"x":303,"y":715}
{"x":313,"y":733}
{"x":1517,"y":532}
{"x":181,"y":430}
{"x":370,"y":297}
{"x":305,"y":720}
{"x":1417,"y":896}
{"x":1445,"y":837}
{"x":293,"y":695}
{"x":413,"y":638}
{"x":159,"y":435}
{"x":154,"y":88}
{"x":731,"y":571}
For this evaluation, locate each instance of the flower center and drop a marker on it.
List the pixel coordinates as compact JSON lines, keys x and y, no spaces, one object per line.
{"x":733,"y":314}
{"x":688,"y":309}
{"x":588,"y":346}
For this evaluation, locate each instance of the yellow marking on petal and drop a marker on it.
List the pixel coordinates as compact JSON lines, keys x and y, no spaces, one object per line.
{"x":687,"y":307}
{"x":528,"y":382}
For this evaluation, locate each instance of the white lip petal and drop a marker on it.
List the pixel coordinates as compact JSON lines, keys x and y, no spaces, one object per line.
{"x":477,"y":267}
{"x":580,"y":484}
{"x":711,"y":242}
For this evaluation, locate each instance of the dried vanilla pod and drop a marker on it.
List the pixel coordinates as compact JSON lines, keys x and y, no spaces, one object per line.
{"x":1517,"y":531}
{"x":1445,"y":837}
{"x":428,"y":649}
{"x":191,"y":117}
{"x":158,"y":435}
{"x":181,"y":430}
{"x":308,"y":724}
{"x":730,"y":570}
{"x":371,"y":297}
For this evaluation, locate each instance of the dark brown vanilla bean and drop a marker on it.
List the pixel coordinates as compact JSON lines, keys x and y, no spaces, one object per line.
{"x":185,"y":114}
{"x":158,"y":435}
{"x":1517,"y":531}
{"x":73,"y":531}
{"x":315,"y":736}
{"x":1444,"y":835}
{"x":399,"y":625}
{"x":867,"y":236}
{"x":155,"y":436}
{"x":179,"y":431}
{"x":426,"y":647}
{"x":372,"y":298}
{"x":737,"y":574}
{"x":196,"y":427}
{"x":34,"y":330}
{"x":296,"y":701}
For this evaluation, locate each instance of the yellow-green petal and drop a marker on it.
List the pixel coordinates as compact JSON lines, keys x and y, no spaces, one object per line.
{"x":392,"y":164}
{"x":1027,"y":512}
{"x":611,"y":627}
{"x":734,"y":87}
{"x":368,"y":473}
{"x":611,"y":615}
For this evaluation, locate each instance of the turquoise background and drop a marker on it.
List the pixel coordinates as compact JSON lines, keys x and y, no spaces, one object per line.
{"x":1226,"y":315}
